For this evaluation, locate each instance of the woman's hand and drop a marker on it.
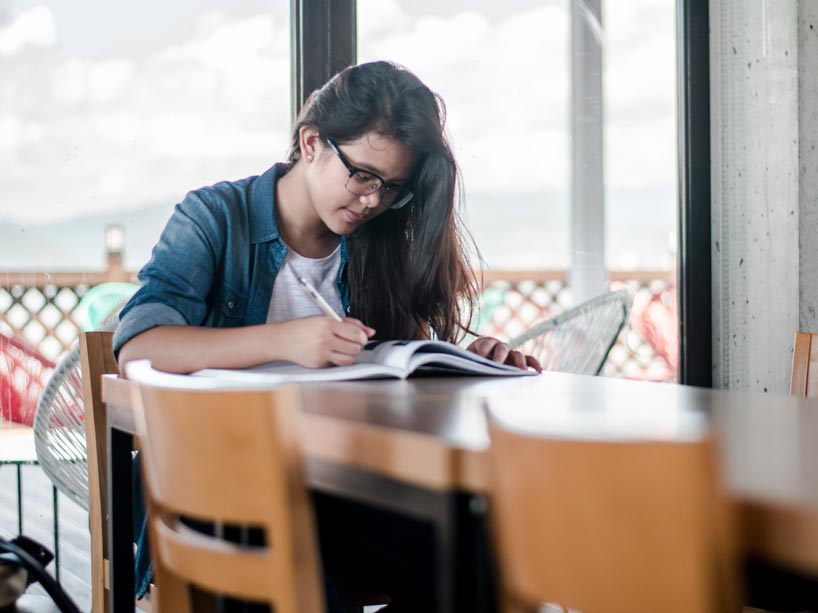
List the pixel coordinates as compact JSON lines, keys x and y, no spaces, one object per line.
{"x":321,"y":341}
{"x":497,"y":350}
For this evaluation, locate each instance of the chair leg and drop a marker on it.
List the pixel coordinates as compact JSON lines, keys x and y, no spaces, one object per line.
{"x":19,"y":500}
{"x":56,"y":512}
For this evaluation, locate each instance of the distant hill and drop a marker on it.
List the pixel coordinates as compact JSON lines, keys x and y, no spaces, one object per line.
{"x":511,"y":230}
{"x":79,"y":243}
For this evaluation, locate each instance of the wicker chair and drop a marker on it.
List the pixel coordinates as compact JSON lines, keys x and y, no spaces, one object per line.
{"x":23,"y":373}
{"x":59,"y":424}
{"x":59,"y":430}
{"x":578,"y":340}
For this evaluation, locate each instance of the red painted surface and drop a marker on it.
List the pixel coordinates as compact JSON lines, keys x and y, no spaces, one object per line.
{"x":24,"y":372}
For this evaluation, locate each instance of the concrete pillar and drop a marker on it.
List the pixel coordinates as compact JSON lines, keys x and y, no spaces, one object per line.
{"x":756,"y":131}
{"x":808,"y":164}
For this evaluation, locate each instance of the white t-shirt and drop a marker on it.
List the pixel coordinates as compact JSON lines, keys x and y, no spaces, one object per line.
{"x":290,"y":301}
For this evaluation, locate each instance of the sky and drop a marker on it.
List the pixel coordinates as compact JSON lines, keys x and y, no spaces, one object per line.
{"x":109,"y":106}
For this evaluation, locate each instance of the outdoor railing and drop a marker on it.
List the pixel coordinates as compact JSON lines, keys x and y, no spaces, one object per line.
{"x":42,"y":308}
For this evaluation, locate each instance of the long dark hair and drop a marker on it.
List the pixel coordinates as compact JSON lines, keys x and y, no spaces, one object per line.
{"x":407,"y":268}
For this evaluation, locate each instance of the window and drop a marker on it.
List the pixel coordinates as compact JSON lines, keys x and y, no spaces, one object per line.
{"x":109,"y":117}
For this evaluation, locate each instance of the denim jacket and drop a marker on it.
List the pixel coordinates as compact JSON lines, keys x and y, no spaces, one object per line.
{"x":215,"y":262}
{"x":214,"y":266}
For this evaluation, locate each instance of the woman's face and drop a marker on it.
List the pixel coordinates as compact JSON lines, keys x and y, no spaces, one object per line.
{"x":330,"y":185}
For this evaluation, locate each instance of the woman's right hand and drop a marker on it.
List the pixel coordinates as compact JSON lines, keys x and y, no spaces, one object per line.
{"x":321,"y":341}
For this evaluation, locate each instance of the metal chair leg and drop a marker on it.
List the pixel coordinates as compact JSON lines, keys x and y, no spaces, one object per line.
{"x":56,"y":516}
{"x":19,"y":500}
{"x":55,"y":495}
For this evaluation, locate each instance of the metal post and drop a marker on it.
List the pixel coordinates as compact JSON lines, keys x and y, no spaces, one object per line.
{"x":588,"y":276}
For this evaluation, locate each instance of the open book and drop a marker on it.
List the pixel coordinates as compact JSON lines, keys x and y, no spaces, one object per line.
{"x":379,"y":360}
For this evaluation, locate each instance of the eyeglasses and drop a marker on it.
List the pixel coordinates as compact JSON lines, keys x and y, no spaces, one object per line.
{"x":363,"y":182}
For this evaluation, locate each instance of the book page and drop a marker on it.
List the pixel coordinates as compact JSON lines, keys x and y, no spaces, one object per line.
{"x":380,"y":360}
{"x":395,"y":354}
{"x":286,"y":371}
{"x":447,"y":357}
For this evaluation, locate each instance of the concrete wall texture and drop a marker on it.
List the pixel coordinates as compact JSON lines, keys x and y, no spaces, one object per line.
{"x":762,"y":169}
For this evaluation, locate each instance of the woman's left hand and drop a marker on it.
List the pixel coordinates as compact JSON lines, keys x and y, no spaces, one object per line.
{"x":497,"y":350}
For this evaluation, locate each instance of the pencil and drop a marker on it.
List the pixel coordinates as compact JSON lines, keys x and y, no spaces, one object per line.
{"x":318,"y":298}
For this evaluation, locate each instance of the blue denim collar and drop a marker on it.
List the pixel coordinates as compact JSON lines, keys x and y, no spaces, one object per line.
{"x":263,"y":225}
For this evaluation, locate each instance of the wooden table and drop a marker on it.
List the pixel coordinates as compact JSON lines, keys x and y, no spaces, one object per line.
{"x":418,"y":446}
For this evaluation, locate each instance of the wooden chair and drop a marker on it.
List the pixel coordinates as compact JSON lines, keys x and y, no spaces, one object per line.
{"x":605,"y":527}
{"x":804,"y":380}
{"x":201,"y":462}
{"x":97,"y":359}
{"x":768,"y":585}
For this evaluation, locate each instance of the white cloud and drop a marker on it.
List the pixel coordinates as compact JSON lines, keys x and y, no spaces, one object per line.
{"x":16,"y":134}
{"x":504,"y":83}
{"x":34,"y":27}
{"x":117,"y":133}
{"x":80,"y":135}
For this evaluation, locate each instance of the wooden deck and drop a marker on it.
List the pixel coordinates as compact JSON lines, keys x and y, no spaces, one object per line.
{"x":38,"y":523}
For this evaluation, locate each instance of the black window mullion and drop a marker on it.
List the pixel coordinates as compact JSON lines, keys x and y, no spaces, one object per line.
{"x":323,"y":43}
{"x":694,"y":272}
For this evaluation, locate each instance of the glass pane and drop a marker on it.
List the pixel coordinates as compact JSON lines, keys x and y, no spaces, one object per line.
{"x":641,"y":178}
{"x":111,"y":112}
{"x":508,"y":129}
{"x":505,"y":72}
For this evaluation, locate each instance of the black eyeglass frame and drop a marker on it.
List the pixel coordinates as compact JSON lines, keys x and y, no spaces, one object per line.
{"x":400,"y":202}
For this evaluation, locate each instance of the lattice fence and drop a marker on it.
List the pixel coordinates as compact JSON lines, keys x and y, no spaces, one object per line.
{"x":42,"y":315}
{"x":43,"y":309}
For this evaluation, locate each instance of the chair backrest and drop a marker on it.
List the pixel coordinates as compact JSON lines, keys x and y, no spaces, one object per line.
{"x":101,"y":301}
{"x":23,"y":374}
{"x":804,"y":381}
{"x":578,"y":340}
{"x":59,"y":429}
{"x":229,"y":457}
{"x":609,"y":526}
{"x":97,"y":359}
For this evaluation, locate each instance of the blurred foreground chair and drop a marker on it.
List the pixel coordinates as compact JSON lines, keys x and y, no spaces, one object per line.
{"x":772,"y":587}
{"x":804,"y":381}
{"x":578,"y":340}
{"x":200,"y":462}
{"x":610,"y":526}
